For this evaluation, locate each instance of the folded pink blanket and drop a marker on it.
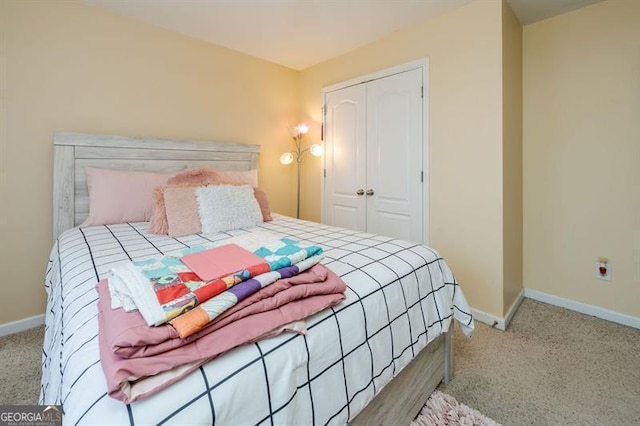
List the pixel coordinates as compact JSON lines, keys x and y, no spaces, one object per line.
{"x":135,"y":339}
{"x":168,"y":358}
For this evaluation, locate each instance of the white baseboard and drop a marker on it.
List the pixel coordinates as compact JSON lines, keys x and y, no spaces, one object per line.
{"x":583,"y":308}
{"x":486,"y":318}
{"x":21,"y":325}
{"x":498,"y":322}
{"x":513,"y":308}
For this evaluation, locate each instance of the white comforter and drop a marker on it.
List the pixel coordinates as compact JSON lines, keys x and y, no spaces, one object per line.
{"x":400,"y":296}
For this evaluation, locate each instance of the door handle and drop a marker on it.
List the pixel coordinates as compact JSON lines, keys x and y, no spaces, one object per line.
{"x":360,"y":192}
{"x":369,"y":191}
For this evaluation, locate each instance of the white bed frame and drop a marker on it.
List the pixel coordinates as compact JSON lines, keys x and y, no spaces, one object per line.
{"x":399,"y":401}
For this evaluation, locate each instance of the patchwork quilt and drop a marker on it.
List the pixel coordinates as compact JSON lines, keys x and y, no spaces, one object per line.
{"x":165,"y":289}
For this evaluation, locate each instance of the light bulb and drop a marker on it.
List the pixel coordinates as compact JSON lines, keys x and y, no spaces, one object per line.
{"x":315,"y":150}
{"x":302,"y":128}
{"x":297,"y":132}
{"x":286,"y":158}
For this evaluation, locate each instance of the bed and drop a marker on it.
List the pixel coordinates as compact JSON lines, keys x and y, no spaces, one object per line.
{"x":372,"y":359}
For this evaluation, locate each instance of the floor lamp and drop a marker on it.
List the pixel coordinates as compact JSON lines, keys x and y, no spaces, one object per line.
{"x":297,"y":133}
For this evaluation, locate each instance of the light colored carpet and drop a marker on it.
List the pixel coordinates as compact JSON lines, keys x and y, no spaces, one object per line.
{"x":444,"y":410}
{"x":551,"y":367}
{"x":20,"y":367}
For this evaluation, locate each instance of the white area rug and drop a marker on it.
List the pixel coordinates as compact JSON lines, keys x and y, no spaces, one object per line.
{"x":444,"y":410}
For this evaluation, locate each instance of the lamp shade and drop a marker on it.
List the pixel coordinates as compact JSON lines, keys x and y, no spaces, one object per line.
{"x":303,"y":128}
{"x":297,"y":132}
{"x":286,"y":158}
{"x":315,"y":150}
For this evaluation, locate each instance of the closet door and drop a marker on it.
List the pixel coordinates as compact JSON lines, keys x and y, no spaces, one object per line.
{"x":394,"y":156}
{"x":345,"y":158}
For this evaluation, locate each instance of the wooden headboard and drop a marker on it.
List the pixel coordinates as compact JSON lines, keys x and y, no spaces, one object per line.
{"x":75,"y":151}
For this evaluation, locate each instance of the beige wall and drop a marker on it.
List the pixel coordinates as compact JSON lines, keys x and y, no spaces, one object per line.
{"x":71,"y":67}
{"x":68,"y":66}
{"x":511,"y":155}
{"x":465,"y":52}
{"x":582,"y":154}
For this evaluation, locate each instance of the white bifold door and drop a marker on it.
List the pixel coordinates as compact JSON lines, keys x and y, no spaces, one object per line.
{"x":374,"y":157}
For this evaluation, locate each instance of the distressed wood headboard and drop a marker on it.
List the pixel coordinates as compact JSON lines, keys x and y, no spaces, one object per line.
{"x":75,"y":151}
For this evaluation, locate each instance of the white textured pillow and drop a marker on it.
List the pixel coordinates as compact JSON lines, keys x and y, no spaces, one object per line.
{"x":227,"y":207}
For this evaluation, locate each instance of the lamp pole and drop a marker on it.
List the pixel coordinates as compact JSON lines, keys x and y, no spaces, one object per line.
{"x":297,"y":133}
{"x":298,"y":161}
{"x":298,"y":197}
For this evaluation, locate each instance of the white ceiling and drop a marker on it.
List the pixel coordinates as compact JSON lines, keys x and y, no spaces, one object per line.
{"x":530,"y":11}
{"x":302,"y":33}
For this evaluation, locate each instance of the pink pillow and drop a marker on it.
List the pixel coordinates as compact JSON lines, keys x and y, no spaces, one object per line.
{"x":181,"y":206}
{"x":250,"y":176}
{"x":261,"y":196}
{"x":118,"y":196}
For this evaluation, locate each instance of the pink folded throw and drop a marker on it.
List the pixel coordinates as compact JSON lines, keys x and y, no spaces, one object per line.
{"x":158,"y":357}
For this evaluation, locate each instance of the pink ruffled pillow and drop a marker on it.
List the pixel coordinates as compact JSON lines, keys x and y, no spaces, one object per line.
{"x":239,"y":176}
{"x":118,"y":196}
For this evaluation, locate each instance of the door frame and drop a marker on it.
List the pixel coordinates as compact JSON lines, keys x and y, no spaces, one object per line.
{"x":422,"y":64}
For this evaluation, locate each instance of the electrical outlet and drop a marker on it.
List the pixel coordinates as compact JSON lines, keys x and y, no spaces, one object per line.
{"x":603,"y":269}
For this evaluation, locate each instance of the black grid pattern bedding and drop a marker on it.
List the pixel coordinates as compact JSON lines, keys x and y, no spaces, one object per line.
{"x":400,"y":296}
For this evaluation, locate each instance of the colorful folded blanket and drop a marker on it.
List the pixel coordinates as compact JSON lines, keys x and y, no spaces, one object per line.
{"x":164,"y":288}
{"x":156,"y":361}
{"x":194,"y":320}
{"x":138,"y":340}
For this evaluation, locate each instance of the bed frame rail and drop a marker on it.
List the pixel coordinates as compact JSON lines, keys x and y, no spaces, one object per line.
{"x":401,"y":400}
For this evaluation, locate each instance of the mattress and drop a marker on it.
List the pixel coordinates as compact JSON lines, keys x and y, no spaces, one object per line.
{"x":400,"y":296}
